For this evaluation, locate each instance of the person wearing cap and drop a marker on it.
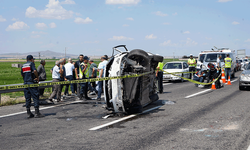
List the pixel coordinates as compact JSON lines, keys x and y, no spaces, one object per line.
{"x":228,"y":64}
{"x":192,"y":64}
{"x":101,"y":70}
{"x":84,"y":74}
{"x":69,"y":68}
{"x":41,"y":74}
{"x":159,"y":76}
{"x":57,"y":72}
{"x":92,"y":74}
{"x":77,"y":70}
{"x":30,"y":76}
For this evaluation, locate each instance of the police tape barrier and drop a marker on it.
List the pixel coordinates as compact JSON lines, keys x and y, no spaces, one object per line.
{"x":190,"y":80}
{"x":71,"y":82}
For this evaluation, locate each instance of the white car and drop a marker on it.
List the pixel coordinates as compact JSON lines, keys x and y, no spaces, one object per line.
{"x":176,"y":66}
{"x":130,"y":95}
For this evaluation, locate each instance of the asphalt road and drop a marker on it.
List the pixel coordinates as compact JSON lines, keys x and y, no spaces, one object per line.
{"x":214,"y":119}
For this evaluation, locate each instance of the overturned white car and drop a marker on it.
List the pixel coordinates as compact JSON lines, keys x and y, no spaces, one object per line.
{"x":130,"y":95}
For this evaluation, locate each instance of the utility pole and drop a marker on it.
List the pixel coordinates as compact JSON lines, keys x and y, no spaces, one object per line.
{"x":173,"y":56}
{"x":65,"y":52}
{"x":39,"y":55}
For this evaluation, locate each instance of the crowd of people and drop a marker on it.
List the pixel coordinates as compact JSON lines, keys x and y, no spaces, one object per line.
{"x":84,"y":68}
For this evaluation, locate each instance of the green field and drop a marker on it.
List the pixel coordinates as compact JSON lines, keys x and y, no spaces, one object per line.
{"x":12,"y":75}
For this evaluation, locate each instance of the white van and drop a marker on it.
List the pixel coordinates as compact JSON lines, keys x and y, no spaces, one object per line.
{"x":200,"y":59}
{"x":211,"y":57}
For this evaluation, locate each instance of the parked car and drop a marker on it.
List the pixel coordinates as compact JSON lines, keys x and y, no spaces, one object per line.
{"x":130,"y":95}
{"x":244,"y":63}
{"x":176,"y":66}
{"x":244,"y":79}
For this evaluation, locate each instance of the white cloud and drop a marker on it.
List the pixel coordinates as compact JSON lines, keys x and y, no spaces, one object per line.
{"x":14,"y":19}
{"x":186,"y":32}
{"x":123,"y":2}
{"x":35,"y":36}
{"x":53,"y":11}
{"x":131,"y":19}
{"x":36,"y":32}
{"x":151,"y":36}
{"x":159,"y":13}
{"x":18,"y":25}
{"x":41,"y":26}
{"x":174,"y":14}
{"x":78,"y":14}
{"x":235,"y":23}
{"x":248,"y":40}
{"x":166,"y":23}
{"x":79,"y":20}
{"x":120,"y":38}
{"x":91,"y":42}
{"x":168,"y":43}
{"x":2,"y":19}
{"x":52,"y":25}
{"x":190,"y":42}
{"x":223,"y":1}
{"x":208,"y":38}
{"x":68,"y":2}
{"x":125,"y":25}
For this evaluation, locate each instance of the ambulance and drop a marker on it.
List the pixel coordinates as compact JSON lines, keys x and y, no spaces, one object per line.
{"x":212,"y":55}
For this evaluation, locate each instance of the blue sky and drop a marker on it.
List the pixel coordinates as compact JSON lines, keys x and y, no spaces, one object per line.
{"x":93,"y":27}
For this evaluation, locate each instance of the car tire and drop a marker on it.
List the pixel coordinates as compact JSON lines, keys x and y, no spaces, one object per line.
{"x":182,"y":80}
{"x":241,"y":88}
{"x":139,"y":55}
{"x":158,"y":58}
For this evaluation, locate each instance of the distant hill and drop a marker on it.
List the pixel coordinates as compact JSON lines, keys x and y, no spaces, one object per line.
{"x":43,"y":55}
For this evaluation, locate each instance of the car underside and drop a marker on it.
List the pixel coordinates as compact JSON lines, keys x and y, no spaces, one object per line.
{"x":130,"y":95}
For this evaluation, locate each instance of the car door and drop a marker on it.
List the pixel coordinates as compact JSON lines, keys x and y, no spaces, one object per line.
{"x":186,"y":69}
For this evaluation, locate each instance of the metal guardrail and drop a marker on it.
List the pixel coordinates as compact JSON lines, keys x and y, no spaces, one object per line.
{"x":18,"y":90}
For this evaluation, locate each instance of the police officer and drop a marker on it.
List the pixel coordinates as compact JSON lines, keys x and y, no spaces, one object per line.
{"x":192,"y":64}
{"x":228,"y":63}
{"x":77,"y":72}
{"x":159,"y":76}
{"x":30,"y":76}
{"x":84,"y":74}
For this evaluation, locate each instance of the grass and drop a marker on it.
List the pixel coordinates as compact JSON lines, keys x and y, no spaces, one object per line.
{"x":12,"y":75}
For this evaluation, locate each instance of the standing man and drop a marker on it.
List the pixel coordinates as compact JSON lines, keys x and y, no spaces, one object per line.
{"x":57,"y":72}
{"x":228,"y":63}
{"x":84,"y":74}
{"x":219,"y":62}
{"x":101,"y":70}
{"x":92,"y":74}
{"x":192,"y":64}
{"x":159,"y":76}
{"x":69,"y":68}
{"x":63,"y":76}
{"x":77,"y":70}
{"x":30,"y":76}
{"x":41,"y":74}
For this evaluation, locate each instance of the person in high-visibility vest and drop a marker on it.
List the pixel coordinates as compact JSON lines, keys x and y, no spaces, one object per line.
{"x":84,"y":74}
{"x":159,"y":76}
{"x":192,"y":64}
{"x":228,"y":64}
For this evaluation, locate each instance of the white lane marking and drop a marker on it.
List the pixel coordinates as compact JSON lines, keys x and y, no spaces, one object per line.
{"x":198,"y":93}
{"x":248,"y":147}
{"x":167,"y":83}
{"x":122,"y":119}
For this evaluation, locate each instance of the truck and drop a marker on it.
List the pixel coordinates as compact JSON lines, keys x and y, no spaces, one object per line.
{"x":241,"y":53}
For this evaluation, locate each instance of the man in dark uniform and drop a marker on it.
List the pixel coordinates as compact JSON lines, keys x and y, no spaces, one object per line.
{"x":77,"y":68}
{"x":30,"y":76}
{"x":84,"y":74}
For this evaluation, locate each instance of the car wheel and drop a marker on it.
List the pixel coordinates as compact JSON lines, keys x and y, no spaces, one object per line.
{"x":241,"y":88}
{"x":139,"y":56}
{"x":158,"y":58}
{"x":182,"y":80}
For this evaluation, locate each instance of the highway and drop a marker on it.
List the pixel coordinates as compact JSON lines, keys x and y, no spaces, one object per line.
{"x":185,"y":118}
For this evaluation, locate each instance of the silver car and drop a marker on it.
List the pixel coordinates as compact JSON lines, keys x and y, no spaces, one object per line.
{"x":244,"y":78}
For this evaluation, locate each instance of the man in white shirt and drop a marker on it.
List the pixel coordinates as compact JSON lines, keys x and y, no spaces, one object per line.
{"x":69,"y":68}
{"x":219,"y":62}
{"x":56,"y":73}
{"x":101,"y":69}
